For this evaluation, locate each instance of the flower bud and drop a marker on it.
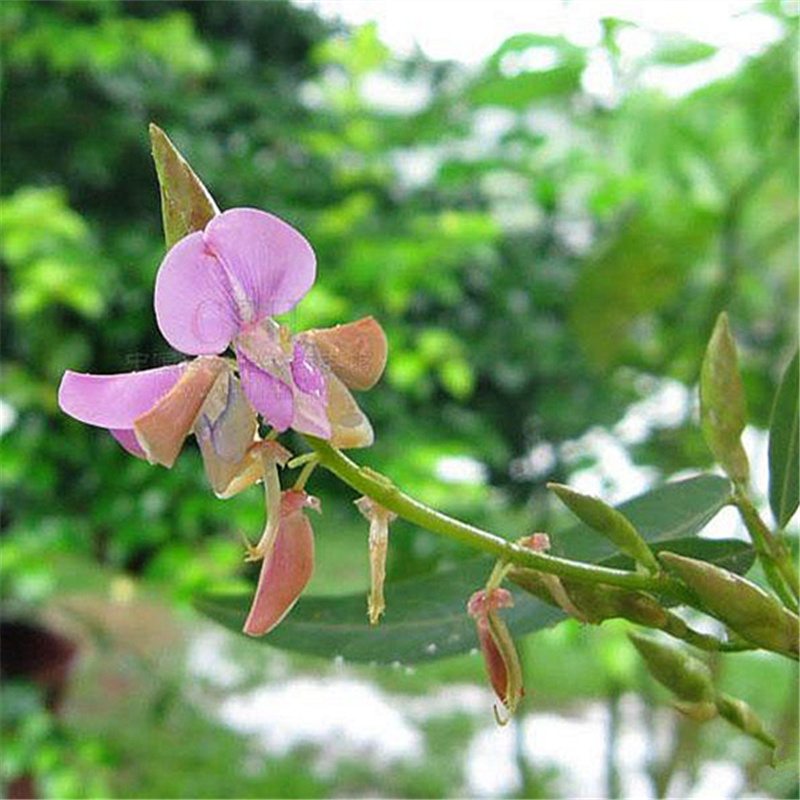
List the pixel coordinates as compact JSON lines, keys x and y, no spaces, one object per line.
{"x":609,"y":522}
{"x":379,"y":519}
{"x":186,"y":205}
{"x":723,"y":412}
{"x":497,"y":646}
{"x":744,"y":607}
{"x":739,"y":714}
{"x":686,"y":677}
{"x":287,"y":567}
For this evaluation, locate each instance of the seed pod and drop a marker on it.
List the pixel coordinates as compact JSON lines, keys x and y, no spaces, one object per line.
{"x":738,"y":713}
{"x":744,"y":607}
{"x":606,"y":520}
{"x":686,"y":677}
{"x":723,"y":411}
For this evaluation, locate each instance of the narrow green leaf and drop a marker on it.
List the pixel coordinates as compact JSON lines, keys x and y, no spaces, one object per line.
{"x":784,"y":429}
{"x":186,"y":204}
{"x":679,"y":52}
{"x":426,"y":617}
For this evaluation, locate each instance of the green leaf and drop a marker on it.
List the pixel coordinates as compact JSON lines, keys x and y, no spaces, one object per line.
{"x":784,"y":477}
{"x":680,"y":52}
{"x":186,"y":204}
{"x":426,"y":617}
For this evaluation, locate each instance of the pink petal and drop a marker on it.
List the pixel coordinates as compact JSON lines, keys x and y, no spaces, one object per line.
{"x":356,"y":352}
{"x":269,"y":396}
{"x":195,"y":305}
{"x":127,"y":438}
{"x":311,"y":415}
{"x":307,"y":375}
{"x":286,"y":571}
{"x":269,"y":264}
{"x":162,"y":430}
{"x":115,"y":401}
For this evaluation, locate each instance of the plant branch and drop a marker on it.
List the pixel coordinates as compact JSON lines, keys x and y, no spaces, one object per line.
{"x":382,"y":490}
{"x":775,"y":557}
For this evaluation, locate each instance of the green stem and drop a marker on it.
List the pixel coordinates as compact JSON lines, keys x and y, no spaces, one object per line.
{"x":775,"y":557}
{"x":383,"y":491}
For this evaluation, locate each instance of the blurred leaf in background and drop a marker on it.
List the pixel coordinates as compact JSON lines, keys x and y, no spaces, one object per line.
{"x":547,"y":237}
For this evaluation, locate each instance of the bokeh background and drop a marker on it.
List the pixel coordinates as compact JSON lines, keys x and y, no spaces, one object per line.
{"x":546,"y":205}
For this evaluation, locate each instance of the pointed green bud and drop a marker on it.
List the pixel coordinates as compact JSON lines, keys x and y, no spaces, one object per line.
{"x":739,"y":714}
{"x":686,"y":677}
{"x":723,"y":411}
{"x":594,"y":602}
{"x":744,"y":607}
{"x":186,"y":205}
{"x":609,"y":522}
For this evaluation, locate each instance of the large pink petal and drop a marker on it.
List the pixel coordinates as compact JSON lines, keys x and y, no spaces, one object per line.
{"x":269,"y":264}
{"x":285,"y":572}
{"x":115,"y":401}
{"x":269,"y":396}
{"x":195,"y":304}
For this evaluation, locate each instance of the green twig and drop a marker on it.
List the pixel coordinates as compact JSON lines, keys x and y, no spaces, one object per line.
{"x":381,"y":489}
{"x":775,"y":557}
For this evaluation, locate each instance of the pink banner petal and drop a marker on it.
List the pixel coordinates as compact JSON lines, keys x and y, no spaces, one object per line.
{"x":195,"y":304}
{"x":269,"y":264}
{"x":115,"y":401}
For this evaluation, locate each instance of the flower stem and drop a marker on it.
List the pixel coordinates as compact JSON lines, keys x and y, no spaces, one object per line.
{"x":775,"y":557}
{"x":381,"y":489}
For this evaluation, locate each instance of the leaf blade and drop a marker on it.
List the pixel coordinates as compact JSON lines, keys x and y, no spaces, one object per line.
{"x":784,"y":472}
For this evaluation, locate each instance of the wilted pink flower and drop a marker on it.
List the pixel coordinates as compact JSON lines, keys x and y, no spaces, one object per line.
{"x":497,"y":646}
{"x":287,"y":567}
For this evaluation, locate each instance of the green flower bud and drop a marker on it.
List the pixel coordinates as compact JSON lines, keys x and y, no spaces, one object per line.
{"x":186,"y":205}
{"x":594,"y":602}
{"x":686,"y":677}
{"x":723,"y":412}
{"x":609,"y":522}
{"x":738,"y":713}
{"x":744,"y":607}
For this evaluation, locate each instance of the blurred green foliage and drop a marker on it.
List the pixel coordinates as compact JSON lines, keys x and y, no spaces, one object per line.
{"x":540,"y":254}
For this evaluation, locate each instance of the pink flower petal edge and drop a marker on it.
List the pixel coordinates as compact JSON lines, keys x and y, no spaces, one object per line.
{"x":115,"y":401}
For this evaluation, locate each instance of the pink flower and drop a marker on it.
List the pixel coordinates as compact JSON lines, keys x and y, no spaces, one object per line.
{"x":216,"y":288}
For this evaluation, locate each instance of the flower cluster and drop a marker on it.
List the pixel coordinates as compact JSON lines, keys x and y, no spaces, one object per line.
{"x":216,"y":295}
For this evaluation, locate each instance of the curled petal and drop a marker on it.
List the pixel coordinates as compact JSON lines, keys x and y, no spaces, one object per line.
{"x":350,"y":426}
{"x":225,"y":429}
{"x":195,"y":304}
{"x":307,"y":375}
{"x":269,"y":265}
{"x":270,"y":396}
{"x":356,"y":352}
{"x":287,"y":569}
{"x":162,"y":429}
{"x":129,"y":442}
{"x":311,"y":415}
{"x":115,"y":401}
